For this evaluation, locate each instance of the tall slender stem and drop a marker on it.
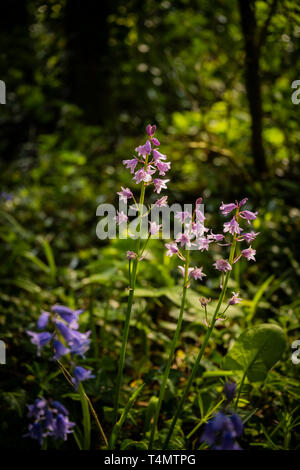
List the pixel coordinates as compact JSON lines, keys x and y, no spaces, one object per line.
{"x":171,"y":353}
{"x":240,"y":390}
{"x":132,"y":282}
{"x":202,"y":349}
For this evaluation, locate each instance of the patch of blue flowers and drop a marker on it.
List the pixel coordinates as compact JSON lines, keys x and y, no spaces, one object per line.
{"x":222,"y":431}
{"x":51,"y":418}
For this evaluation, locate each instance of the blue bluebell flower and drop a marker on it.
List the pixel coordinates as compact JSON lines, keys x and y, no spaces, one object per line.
{"x":62,"y":427}
{"x":59,"y":349}
{"x":59,"y":407}
{"x":229,"y":390}
{"x":221,"y":432}
{"x":43,"y":320}
{"x":66,"y":323}
{"x":80,"y":343}
{"x":37,"y":409}
{"x":39,"y":339}
{"x":66,"y":332}
{"x":35,"y":432}
{"x":70,"y":316}
{"x":81,"y":374}
{"x":50,"y":419}
{"x":6,"y":196}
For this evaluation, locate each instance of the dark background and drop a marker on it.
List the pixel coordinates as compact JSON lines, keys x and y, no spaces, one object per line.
{"x":83,"y":78}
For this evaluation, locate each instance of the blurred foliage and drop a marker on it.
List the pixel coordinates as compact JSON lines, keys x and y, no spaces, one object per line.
{"x":179,"y":64}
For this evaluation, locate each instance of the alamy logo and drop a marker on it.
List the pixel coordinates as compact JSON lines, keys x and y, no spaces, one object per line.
{"x":2,"y":352}
{"x":296,"y":354}
{"x":2,"y":92}
{"x":164,"y":222}
{"x":296,"y":95}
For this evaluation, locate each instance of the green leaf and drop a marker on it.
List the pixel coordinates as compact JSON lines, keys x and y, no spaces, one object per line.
{"x":259,"y":295}
{"x":131,"y":444}
{"x":49,"y":256}
{"x":30,"y":256}
{"x":256,"y":351}
{"x":117,"y":427}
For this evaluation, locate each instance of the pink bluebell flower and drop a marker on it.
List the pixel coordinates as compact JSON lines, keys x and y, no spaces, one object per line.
{"x":184,"y":239}
{"x":199,"y":215}
{"x":182,"y":270}
{"x":141,"y":175}
{"x":249,"y":253}
{"x":121,"y":217}
{"x":222,"y":265}
{"x":248,"y":215}
{"x":172,"y":249}
{"x":218,"y":237}
{"x":197,"y":273}
{"x":203,"y":243}
{"x":250,"y":236}
{"x":183,"y":216}
{"x":154,"y":228}
{"x":199,"y":229}
{"x":163,"y":167}
{"x":157,"y":156}
{"x":243,"y":202}
{"x":151,"y":130}
{"x":125,"y":194}
{"x":232,"y":227}
{"x":235,"y":299}
{"x":131,"y":255}
{"x":227,"y":208}
{"x":143,"y":150}
{"x":163,"y":201}
{"x":159,"y":185}
{"x":131,"y":164}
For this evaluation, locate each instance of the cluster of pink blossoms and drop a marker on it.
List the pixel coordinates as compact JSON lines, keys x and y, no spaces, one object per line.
{"x":148,"y":162}
{"x":195,"y":235}
{"x":145,"y":168}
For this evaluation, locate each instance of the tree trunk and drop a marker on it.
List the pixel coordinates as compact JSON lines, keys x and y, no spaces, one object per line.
{"x":253,"y":82}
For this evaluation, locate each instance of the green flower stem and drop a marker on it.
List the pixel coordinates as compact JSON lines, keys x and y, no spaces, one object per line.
{"x":205,"y":419}
{"x":68,"y":377}
{"x":171,"y":353}
{"x":240,"y":389}
{"x":202,"y":349}
{"x":129,"y":306}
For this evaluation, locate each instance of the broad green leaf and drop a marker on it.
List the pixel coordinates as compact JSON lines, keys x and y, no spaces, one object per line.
{"x":256,"y":351}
